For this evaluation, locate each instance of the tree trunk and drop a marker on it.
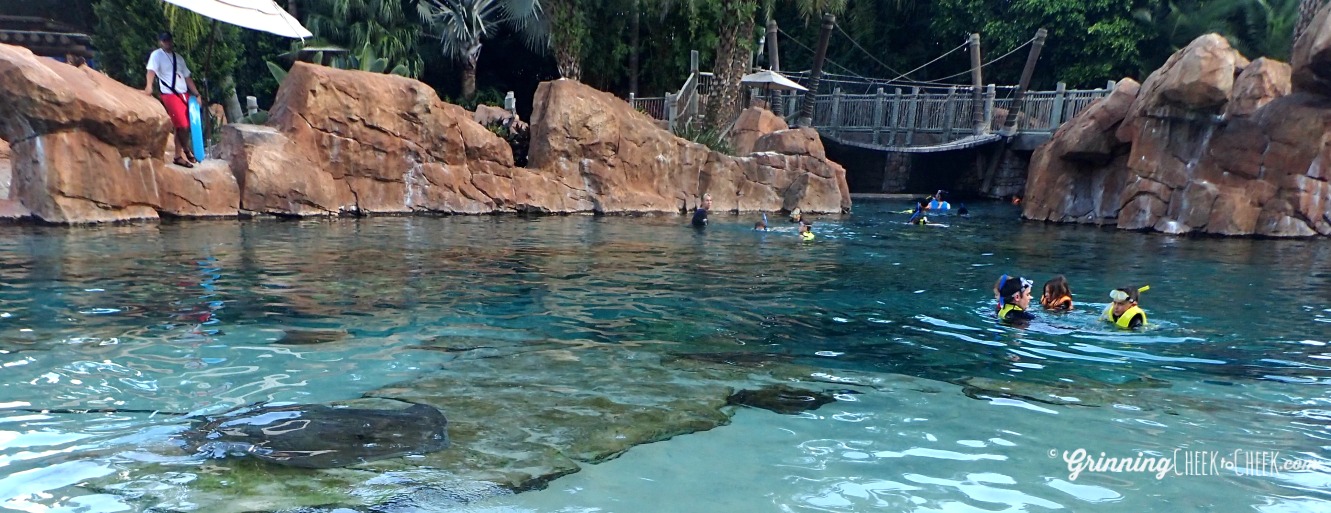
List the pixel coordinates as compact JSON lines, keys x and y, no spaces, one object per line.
{"x":1307,"y":10}
{"x":469,"y":80}
{"x":634,"y":35}
{"x":732,"y":56}
{"x":231,"y":101}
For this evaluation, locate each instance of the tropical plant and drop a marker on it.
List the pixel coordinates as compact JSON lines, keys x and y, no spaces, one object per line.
{"x":706,"y":135}
{"x":566,"y":22}
{"x":125,"y":34}
{"x":366,"y":60}
{"x":385,"y":26}
{"x":461,"y":26}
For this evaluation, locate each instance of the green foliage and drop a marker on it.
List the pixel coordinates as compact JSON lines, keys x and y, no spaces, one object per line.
{"x":1089,"y":41}
{"x":484,"y":96}
{"x":253,"y":77}
{"x":259,"y":117}
{"x":705,"y":135}
{"x":125,"y":34}
{"x":386,"y":26}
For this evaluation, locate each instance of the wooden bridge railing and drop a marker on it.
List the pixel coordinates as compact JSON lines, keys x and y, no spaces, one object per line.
{"x":909,"y":116}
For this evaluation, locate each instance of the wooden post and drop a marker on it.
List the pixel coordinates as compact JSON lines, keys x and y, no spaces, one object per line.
{"x":1056,"y":114}
{"x":878,"y":101}
{"x":773,"y":62}
{"x":896,"y":118}
{"x":806,"y":110}
{"x":990,"y":93}
{"x":911,"y":117}
{"x":949,"y":113}
{"x":979,"y":122}
{"x":1010,"y":127}
{"x":692,"y":105}
{"x":836,"y":112}
{"x":670,"y":111}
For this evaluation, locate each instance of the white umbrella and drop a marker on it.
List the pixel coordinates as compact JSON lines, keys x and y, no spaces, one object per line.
{"x":771,"y":81}
{"x":262,"y":15}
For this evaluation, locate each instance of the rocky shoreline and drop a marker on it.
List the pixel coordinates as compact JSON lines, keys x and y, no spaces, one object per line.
{"x":1210,"y":143}
{"x":87,"y":149}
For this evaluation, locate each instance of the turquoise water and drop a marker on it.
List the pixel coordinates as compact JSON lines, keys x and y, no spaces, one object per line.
{"x":962,"y":414}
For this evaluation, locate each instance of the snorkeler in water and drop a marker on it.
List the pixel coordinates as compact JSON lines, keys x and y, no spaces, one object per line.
{"x":918,"y":216}
{"x":1124,"y":312}
{"x":1014,"y":294}
{"x":806,"y":232}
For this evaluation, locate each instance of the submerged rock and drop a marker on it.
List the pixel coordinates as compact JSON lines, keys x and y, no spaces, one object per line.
{"x":301,"y":337}
{"x":781,"y":399}
{"x":318,"y":436}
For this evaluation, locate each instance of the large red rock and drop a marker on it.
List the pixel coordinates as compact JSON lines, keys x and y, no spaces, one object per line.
{"x":752,"y":124}
{"x":1181,"y":167}
{"x":88,"y":149}
{"x":349,"y":141}
{"x":1311,"y":57}
{"x":1197,"y":78}
{"x":1262,"y":81}
{"x":595,"y":143}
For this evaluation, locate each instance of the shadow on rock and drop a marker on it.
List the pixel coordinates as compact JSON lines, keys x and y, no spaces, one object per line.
{"x":781,"y":399}
{"x":319,"y":436}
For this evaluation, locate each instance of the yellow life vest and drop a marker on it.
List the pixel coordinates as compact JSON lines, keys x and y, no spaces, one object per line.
{"x":1123,"y":321}
{"x":1007,"y":309}
{"x":807,"y":236}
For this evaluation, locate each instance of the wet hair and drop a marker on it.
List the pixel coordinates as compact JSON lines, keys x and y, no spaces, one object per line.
{"x":1057,"y":287}
{"x":760,"y":225}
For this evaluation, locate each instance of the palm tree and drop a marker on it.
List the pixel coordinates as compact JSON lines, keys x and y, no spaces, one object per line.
{"x":462,"y":25}
{"x":1307,"y":10}
{"x":566,"y":22}
{"x":734,"y":38}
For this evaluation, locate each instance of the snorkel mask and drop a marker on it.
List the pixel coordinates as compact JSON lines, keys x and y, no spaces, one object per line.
{"x":1121,"y":295}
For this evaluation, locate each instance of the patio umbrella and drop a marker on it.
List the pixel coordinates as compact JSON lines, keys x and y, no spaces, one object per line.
{"x":770,"y":80}
{"x":264,"y":15}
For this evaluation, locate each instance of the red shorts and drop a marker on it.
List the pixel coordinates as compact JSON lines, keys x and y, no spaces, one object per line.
{"x":177,"y":106}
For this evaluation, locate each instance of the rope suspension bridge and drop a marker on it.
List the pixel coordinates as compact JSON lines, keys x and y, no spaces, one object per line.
{"x":901,"y":114}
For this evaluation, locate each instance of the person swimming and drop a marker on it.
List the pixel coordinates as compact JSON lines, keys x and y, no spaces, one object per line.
{"x":1014,"y":294}
{"x":918,"y":217}
{"x":1057,"y":294}
{"x":937,"y":203}
{"x":806,"y":232}
{"x":963,"y":211}
{"x":700,"y":213}
{"x":1124,"y":312}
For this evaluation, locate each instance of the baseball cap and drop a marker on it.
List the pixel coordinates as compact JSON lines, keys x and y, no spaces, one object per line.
{"x":1013,"y":285}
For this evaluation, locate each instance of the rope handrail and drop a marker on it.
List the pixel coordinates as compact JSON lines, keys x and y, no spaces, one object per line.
{"x":866,"y":52}
{"x":1004,"y":56}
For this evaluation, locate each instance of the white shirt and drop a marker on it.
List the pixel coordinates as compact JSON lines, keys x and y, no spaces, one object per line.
{"x":160,"y":63}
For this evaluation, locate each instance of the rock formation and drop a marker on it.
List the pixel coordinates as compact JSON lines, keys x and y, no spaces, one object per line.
{"x":86,"y":148}
{"x":1209,"y":143}
{"x":344,"y":141}
{"x":753,"y":123}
